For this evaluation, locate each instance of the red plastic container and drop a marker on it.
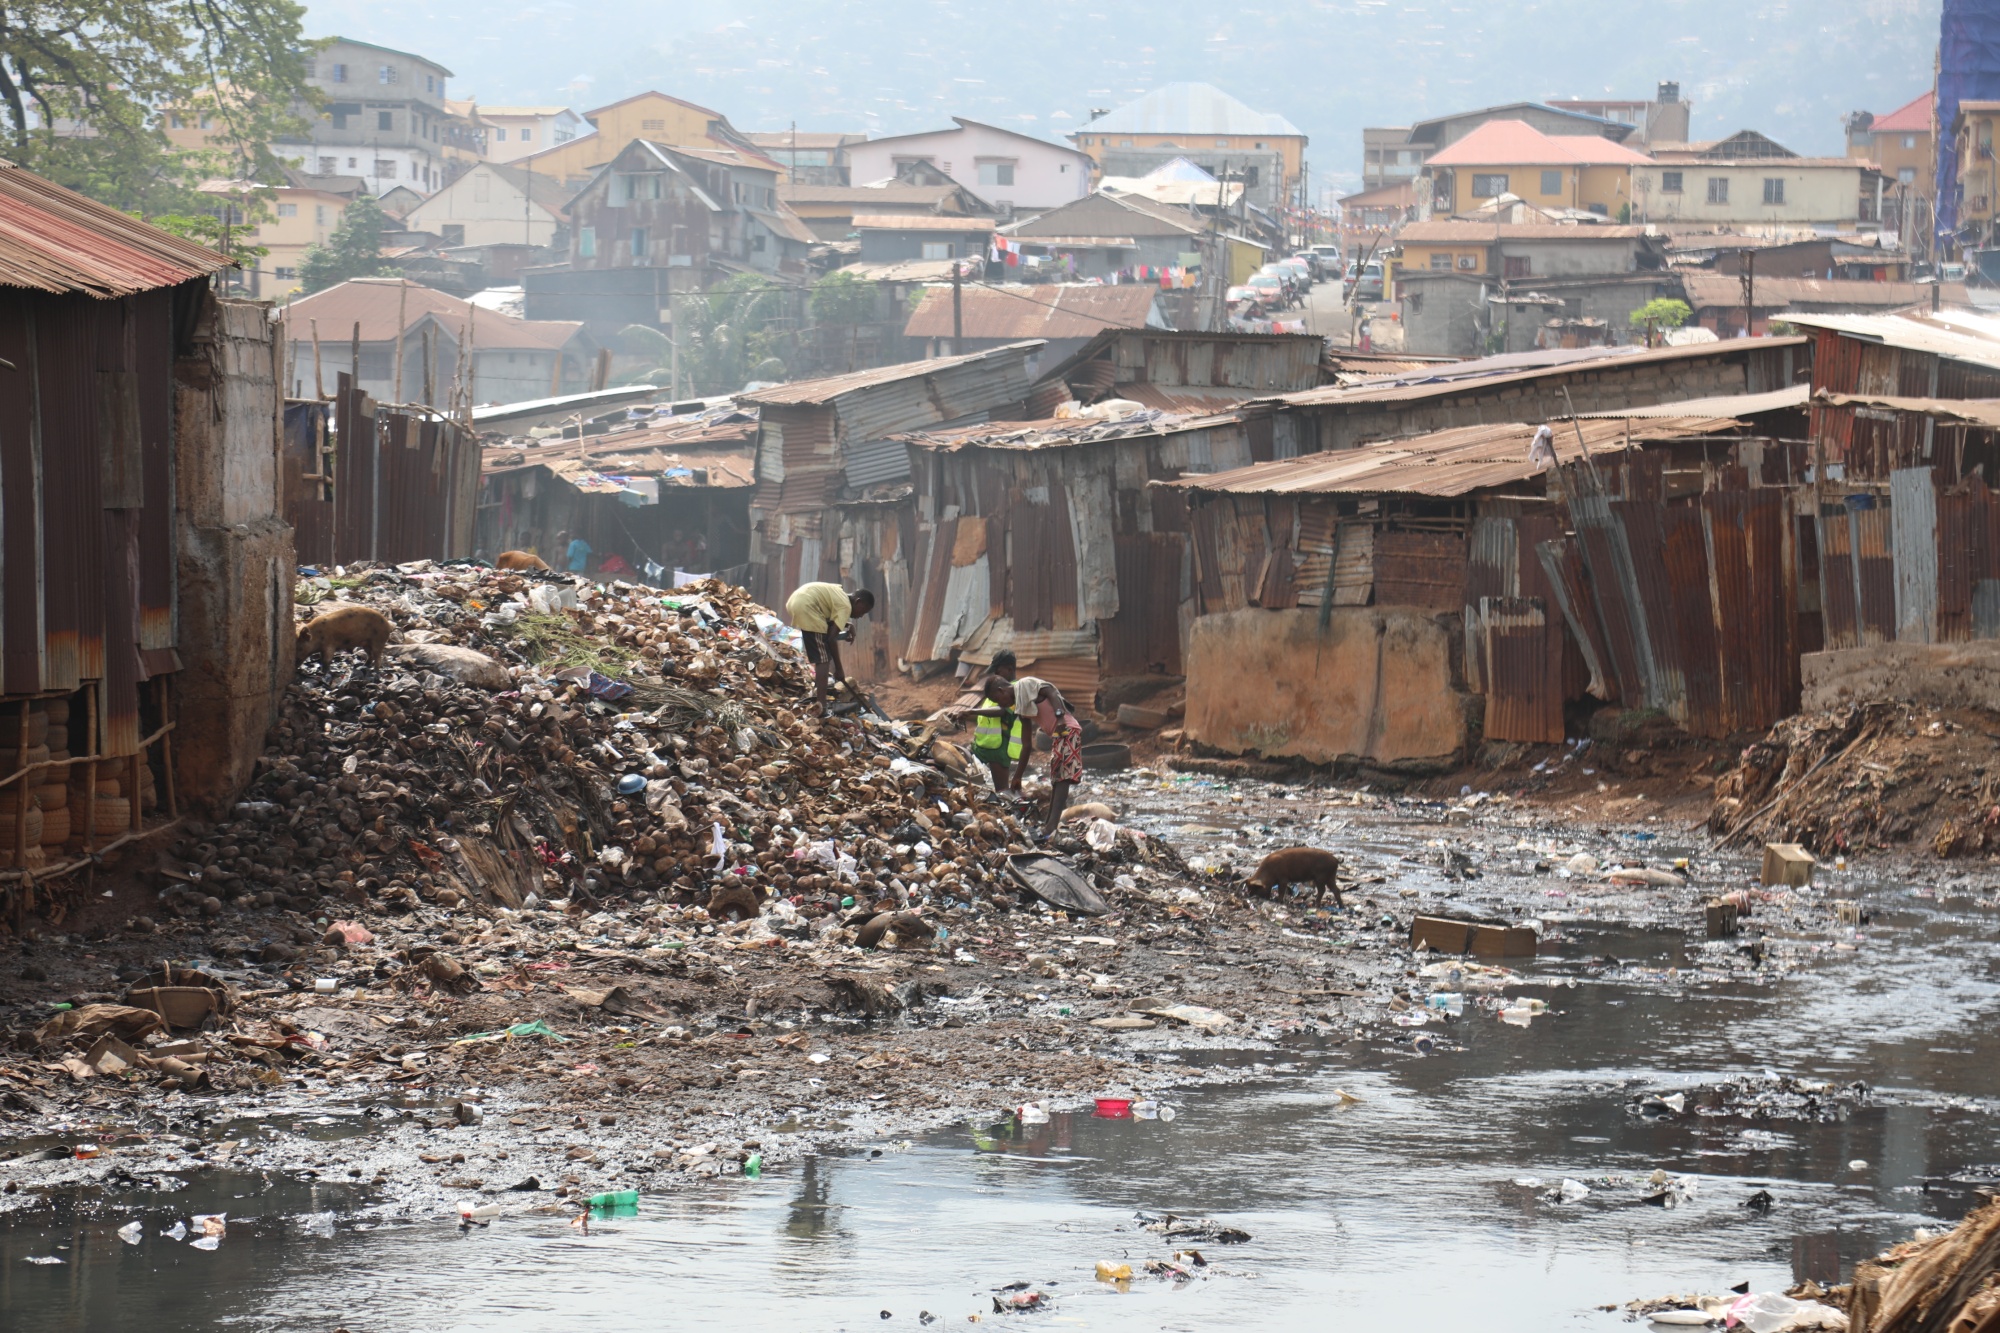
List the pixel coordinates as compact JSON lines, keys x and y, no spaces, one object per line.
{"x":1114,"y":1108}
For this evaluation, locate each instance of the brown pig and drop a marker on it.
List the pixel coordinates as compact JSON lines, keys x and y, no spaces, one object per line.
{"x":520,"y":560}
{"x":340,"y":628}
{"x":1298,"y":865}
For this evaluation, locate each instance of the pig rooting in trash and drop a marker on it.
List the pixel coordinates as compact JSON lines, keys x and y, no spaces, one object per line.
{"x":338,"y":630}
{"x":1297,"y":865}
{"x":520,"y":560}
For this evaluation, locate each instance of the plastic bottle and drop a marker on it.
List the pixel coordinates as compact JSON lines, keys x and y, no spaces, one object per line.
{"x":615,"y":1198}
{"x":753,"y":1168}
{"x":482,"y":1213}
{"x":1452,"y":1002}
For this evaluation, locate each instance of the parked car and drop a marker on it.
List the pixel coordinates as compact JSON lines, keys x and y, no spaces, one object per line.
{"x":1328,"y":257}
{"x":1302,"y":266}
{"x":1368,"y":282}
{"x":1271,"y":288}
{"x":1294,"y":287}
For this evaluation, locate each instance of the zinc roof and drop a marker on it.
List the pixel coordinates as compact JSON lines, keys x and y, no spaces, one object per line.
{"x":373,"y":302}
{"x":1445,"y":463}
{"x":1033,"y":312}
{"x":921,"y":222}
{"x":55,"y":240}
{"x":1955,"y":335}
{"x":1190,"y":108}
{"x":831,"y":387}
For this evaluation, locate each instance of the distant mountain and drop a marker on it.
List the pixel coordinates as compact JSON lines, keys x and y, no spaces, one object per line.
{"x":1790,"y":68}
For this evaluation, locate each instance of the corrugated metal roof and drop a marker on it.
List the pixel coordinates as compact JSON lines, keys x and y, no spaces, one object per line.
{"x":55,"y":240}
{"x":832,"y":388}
{"x":1520,"y":367}
{"x":920,"y":222}
{"x":373,"y":303}
{"x":1978,"y":411}
{"x":1049,"y":311}
{"x":1723,"y":405}
{"x":1956,"y":334}
{"x":1445,"y":463}
{"x":725,"y":449}
{"x":1062,"y":431}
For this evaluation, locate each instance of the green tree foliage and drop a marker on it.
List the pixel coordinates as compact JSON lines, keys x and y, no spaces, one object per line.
{"x":741,"y":330}
{"x":85,"y":84}
{"x":1662,"y":312}
{"x":229,"y":237}
{"x":842,"y":298}
{"x":353,"y":251}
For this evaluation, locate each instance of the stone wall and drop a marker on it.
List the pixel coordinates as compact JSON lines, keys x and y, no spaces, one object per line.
{"x":1378,"y":684}
{"x":235,"y":552}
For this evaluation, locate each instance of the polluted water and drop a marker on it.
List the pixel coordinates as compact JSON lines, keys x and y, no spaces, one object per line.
{"x":1657,"y":1123}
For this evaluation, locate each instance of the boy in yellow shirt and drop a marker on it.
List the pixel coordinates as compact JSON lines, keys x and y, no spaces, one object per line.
{"x":823,"y":614}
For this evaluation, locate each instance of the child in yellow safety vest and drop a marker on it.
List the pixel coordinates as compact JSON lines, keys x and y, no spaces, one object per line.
{"x":999,"y":734}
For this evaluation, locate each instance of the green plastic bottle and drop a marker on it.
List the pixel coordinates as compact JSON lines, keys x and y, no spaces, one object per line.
{"x":753,"y":1166}
{"x":615,"y":1199}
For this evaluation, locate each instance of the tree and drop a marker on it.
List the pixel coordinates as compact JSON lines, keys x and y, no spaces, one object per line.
{"x":228,"y":237}
{"x":842,"y":298}
{"x":353,"y":251}
{"x":85,"y":86}
{"x":739,"y":331}
{"x":1662,"y":312}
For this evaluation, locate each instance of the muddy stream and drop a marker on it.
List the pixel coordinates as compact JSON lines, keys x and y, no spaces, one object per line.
{"x":1381,"y":1186}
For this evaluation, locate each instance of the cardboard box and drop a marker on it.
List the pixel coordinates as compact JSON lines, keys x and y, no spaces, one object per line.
{"x":1787,"y":863}
{"x":1504,"y":942}
{"x":1447,"y":935}
{"x":1721,"y":918}
{"x":1440,"y":933}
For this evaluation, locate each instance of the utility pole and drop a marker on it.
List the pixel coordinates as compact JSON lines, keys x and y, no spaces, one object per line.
{"x":1748,"y":259}
{"x":957,"y":307}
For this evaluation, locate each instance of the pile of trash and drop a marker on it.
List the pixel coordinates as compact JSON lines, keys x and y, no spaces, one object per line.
{"x":1755,"y":1097}
{"x":1865,"y":775}
{"x":545,"y":780}
{"x":532,"y":736}
{"x":1943,"y":1282}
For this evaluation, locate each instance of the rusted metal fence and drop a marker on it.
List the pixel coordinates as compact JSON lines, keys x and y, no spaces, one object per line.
{"x":367,"y":481}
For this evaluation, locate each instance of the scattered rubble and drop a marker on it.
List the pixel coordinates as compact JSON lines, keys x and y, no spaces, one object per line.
{"x":1869,"y":776}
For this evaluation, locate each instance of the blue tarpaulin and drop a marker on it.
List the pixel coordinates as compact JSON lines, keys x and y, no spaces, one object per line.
{"x":1968,"y":70}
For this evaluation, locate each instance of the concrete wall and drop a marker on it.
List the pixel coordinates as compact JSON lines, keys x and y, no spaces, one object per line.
{"x":1947,"y":675}
{"x":1045,"y":174}
{"x":236,"y":562}
{"x":1378,"y":683}
{"x":1816,"y":191}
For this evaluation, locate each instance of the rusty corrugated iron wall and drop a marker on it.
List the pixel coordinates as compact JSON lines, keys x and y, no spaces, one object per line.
{"x":364,"y":481}
{"x":1692,"y":600}
{"x":87,"y":498}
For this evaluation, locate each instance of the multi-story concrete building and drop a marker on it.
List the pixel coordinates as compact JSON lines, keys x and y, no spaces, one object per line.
{"x":384,"y":119}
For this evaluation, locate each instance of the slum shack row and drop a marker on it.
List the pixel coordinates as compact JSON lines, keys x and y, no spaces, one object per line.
{"x":1374,"y":548}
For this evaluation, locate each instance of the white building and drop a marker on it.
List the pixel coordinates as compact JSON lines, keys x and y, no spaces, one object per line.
{"x":383,"y":118}
{"x":493,"y":204}
{"x":1017,"y":171}
{"x":516,"y":131}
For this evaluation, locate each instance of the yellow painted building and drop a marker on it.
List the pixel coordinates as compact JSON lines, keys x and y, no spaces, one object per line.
{"x":1551,"y":172}
{"x":1978,"y":178}
{"x":297,"y":220}
{"x":654,"y":117}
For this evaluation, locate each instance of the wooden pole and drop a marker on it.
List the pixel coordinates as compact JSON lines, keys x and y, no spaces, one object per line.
{"x":319,"y":380}
{"x":354,"y":358}
{"x":402,"y":301}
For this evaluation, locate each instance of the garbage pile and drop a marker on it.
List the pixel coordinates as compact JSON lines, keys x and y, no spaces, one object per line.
{"x":1874,"y":774}
{"x":533,"y":737}
{"x":598,"y":804}
{"x":1943,"y":1282}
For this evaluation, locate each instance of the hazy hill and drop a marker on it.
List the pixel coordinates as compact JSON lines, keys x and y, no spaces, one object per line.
{"x":1791,"y":68}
